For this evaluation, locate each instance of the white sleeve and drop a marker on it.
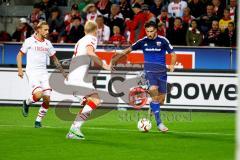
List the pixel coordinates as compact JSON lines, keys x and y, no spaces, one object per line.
{"x":25,"y":46}
{"x":106,"y":33}
{"x":184,"y":5}
{"x":51,"y":50}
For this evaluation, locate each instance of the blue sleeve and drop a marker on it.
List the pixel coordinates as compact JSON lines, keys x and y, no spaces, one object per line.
{"x":137,"y":45}
{"x":168,"y":46}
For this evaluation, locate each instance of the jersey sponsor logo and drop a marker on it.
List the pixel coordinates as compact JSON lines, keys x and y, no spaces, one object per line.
{"x":159,"y":43}
{"x":153,"y":49}
{"x":41,"y":49}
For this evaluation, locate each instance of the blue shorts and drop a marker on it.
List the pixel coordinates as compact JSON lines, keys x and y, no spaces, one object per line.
{"x":157,"y":79}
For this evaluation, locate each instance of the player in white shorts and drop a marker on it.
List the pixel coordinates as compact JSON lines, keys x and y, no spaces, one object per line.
{"x":37,"y":49}
{"x":83,"y":54}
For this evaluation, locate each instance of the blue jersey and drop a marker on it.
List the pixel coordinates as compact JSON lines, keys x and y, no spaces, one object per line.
{"x":154,"y":51}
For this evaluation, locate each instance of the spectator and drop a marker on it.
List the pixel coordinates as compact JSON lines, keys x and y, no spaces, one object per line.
{"x":37,"y":14}
{"x":213,"y":36}
{"x":177,"y":31}
{"x":34,"y":24}
{"x":164,"y":18}
{"x":223,"y":23}
{"x":91,"y":11}
{"x":125,"y":9}
{"x":55,"y":22}
{"x":23,"y":31}
{"x":161,"y":30}
{"x":5,"y":36}
{"x":148,"y":14}
{"x":229,"y":36}
{"x":46,"y":7}
{"x":103,"y":6}
{"x":187,"y":17}
{"x":206,"y":19}
{"x":175,"y":8}
{"x":193,"y":36}
{"x":103,"y":31}
{"x":233,"y":9}
{"x":69,"y":16}
{"x":115,"y":18}
{"x":117,"y":38}
{"x":75,"y":33}
{"x":197,"y":8}
{"x":218,"y":6}
{"x":156,"y":7}
{"x":136,"y":26}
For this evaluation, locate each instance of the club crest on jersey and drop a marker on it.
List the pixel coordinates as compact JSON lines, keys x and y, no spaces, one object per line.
{"x":145,"y":44}
{"x":159,"y":43}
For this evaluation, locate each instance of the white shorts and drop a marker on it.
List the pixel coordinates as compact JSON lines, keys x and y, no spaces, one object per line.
{"x":81,"y":80}
{"x":39,"y":81}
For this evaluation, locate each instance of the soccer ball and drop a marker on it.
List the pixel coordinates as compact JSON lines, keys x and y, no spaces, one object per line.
{"x":144,"y":125}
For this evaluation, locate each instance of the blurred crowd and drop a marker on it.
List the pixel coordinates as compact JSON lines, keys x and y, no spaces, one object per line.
{"x":183,"y":22}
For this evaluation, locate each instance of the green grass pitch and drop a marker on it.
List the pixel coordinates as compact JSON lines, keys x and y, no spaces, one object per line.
{"x":192,"y":136}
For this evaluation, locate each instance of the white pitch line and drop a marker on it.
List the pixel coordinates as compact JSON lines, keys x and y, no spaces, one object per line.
{"x":126,"y":130}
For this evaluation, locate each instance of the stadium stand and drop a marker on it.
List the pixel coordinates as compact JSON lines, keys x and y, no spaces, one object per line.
{"x":13,"y":10}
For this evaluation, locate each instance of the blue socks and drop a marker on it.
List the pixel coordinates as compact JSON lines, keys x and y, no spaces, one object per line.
{"x":155,"y":106}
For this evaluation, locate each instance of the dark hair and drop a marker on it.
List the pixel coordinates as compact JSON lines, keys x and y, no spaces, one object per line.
{"x":194,"y":20}
{"x":232,"y":23}
{"x":37,"y":5}
{"x":101,"y":17}
{"x":76,"y":17}
{"x":179,"y":18}
{"x":74,"y":7}
{"x":150,"y":24}
{"x":54,"y":9}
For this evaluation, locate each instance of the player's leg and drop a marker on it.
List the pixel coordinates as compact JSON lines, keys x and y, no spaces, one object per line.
{"x":35,"y":97}
{"x":154,"y":104}
{"x":162,"y":90}
{"x":153,"y":91}
{"x":161,"y":98}
{"x":36,"y":93}
{"x":46,"y":100}
{"x":93,"y":101}
{"x":43,"y":109}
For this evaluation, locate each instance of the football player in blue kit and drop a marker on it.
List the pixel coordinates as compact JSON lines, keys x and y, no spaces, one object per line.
{"x":154,"y":48}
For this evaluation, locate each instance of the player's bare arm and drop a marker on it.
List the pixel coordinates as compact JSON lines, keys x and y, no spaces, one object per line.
{"x":118,"y":55}
{"x":58,"y":66}
{"x":173,"y":62}
{"x":96,"y":59}
{"x":19,"y":64}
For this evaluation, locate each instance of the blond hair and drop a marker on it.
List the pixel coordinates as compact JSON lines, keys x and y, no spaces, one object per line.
{"x":41,"y":23}
{"x":90,"y":27}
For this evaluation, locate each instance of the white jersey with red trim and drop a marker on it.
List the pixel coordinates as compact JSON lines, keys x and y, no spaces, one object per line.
{"x":37,"y":54}
{"x":81,"y":46}
{"x":78,"y":71}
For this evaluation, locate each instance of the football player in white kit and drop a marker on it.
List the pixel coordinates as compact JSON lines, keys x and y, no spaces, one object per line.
{"x":37,"y":49}
{"x":85,"y":51}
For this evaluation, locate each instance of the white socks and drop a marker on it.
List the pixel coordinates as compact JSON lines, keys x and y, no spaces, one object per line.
{"x":82,"y":117}
{"x":41,"y":113}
